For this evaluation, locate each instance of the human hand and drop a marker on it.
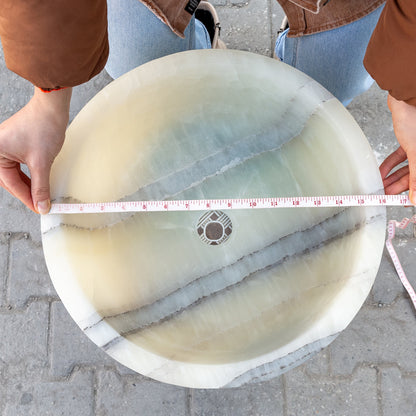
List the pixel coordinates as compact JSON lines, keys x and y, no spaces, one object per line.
{"x":404,"y":124}
{"x":33,"y":136}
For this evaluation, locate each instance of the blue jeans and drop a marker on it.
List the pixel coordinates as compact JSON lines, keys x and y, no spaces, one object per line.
{"x":137,"y":36}
{"x":333,"y":58}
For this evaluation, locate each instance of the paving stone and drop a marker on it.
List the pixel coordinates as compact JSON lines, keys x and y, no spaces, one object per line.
{"x":247,"y":27}
{"x":16,"y":218}
{"x":373,"y":116}
{"x":24,"y":335}
{"x":255,"y":399}
{"x":131,"y":396}
{"x":74,"y":396}
{"x":29,"y":276}
{"x":377,"y":335}
{"x":70,"y":347}
{"x":319,"y":364}
{"x":397,"y":393}
{"x":15,"y":92}
{"x":355,"y":395}
{"x":216,"y":3}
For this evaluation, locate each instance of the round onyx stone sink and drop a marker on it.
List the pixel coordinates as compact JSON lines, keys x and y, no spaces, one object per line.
{"x":212,"y":299}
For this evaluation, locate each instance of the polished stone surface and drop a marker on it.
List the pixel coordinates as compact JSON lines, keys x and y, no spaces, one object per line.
{"x":146,"y":287}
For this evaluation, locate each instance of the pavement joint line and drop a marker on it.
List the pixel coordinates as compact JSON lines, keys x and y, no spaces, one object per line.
{"x":4,"y":236}
{"x":330,"y":366}
{"x":24,"y":235}
{"x":17,"y":235}
{"x":332,"y":377}
{"x":3,"y":382}
{"x":189,"y":402}
{"x":7,"y":278}
{"x":94,"y":391}
{"x":284,"y":395}
{"x":49,"y":336}
{"x":9,"y":309}
{"x":341,"y":377}
{"x":390,"y":365}
{"x":403,"y":295}
{"x":72,"y":373}
{"x":69,"y":373}
{"x":379,"y":391}
{"x":372,"y":304}
{"x":95,"y":369}
{"x":271,"y":34}
{"x":378,"y":366}
{"x":11,"y":237}
{"x":233,"y":6}
{"x":5,"y":239}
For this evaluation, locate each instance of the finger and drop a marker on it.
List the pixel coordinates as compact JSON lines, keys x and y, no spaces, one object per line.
{"x":394,"y":159}
{"x":411,"y":155}
{"x":13,"y":183}
{"x":40,"y":187}
{"x":398,"y":186}
{"x":395,"y":176}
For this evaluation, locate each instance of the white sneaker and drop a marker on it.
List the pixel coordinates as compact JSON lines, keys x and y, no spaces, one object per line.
{"x":208,"y":16}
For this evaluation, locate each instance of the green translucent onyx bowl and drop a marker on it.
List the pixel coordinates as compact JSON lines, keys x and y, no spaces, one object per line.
{"x":213,"y":299}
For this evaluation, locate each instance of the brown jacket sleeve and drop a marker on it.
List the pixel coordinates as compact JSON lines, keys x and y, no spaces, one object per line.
{"x":54,"y":43}
{"x":391,"y":53}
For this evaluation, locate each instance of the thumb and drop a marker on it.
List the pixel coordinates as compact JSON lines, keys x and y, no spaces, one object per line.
{"x":40,"y":188}
{"x":412,"y":177}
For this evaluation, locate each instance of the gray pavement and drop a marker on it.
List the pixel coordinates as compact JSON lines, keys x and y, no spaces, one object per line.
{"x":49,"y":367}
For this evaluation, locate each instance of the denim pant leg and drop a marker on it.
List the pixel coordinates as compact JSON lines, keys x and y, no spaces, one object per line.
{"x":137,"y":36}
{"x":334,"y":58}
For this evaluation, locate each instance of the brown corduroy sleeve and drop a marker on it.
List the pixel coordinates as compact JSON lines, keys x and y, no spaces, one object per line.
{"x":391,"y":53}
{"x":54,"y":43}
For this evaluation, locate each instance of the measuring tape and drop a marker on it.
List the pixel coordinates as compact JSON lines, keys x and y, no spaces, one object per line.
{"x":224,"y":204}
{"x":257,"y":203}
{"x":391,"y":231}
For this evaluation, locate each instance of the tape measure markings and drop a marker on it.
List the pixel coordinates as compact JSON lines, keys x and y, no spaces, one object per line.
{"x":224,"y":204}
